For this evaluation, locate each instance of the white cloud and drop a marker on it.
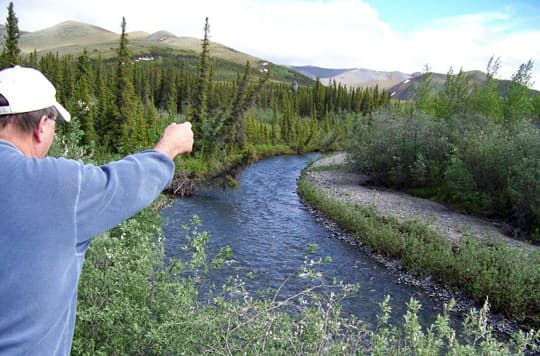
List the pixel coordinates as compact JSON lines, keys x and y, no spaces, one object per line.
{"x":335,"y":33}
{"x":469,"y":41}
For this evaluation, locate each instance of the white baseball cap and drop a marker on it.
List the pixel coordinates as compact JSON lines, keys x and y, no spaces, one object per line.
{"x":27,"y":89}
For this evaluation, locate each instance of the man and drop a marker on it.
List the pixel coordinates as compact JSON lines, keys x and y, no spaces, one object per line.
{"x":50,"y":209}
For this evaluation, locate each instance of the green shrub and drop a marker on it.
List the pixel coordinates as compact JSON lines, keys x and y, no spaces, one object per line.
{"x":132,"y":301}
{"x":509,"y":276}
{"x":400,"y":150}
{"x":477,"y":164}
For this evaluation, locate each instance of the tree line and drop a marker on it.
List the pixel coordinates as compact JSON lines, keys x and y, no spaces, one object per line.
{"x":121,"y":104}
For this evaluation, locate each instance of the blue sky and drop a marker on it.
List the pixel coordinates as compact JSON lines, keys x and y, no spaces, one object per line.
{"x":374,"y":34}
{"x":405,"y":16}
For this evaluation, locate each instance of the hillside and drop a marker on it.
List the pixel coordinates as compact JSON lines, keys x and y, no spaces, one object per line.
{"x":66,"y":34}
{"x":355,"y":77}
{"x":369,"y":78}
{"x":406,"y":89}
{"x":314,"y":72}
{"x":71,"y":37}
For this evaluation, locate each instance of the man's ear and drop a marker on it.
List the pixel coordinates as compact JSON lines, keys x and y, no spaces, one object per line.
{"x":39,"y":131}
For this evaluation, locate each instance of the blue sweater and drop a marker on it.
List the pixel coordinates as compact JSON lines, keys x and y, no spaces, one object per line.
{"x":49,"y":211}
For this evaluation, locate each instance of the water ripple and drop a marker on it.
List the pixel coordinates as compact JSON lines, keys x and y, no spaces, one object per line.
{"x":270,"y":232}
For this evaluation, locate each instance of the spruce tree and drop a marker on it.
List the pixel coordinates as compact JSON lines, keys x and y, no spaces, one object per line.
{"x":33,"y":59}
{"x":66,"y":88}
{"x":168,"y":90}
{"x":10,"y":54}
{"x":235,"y":124}
{"x":201,"y":95}
{"x":84,"y":108}
{"x":130,"y":127}
{"x":318,"y":96}
{"x":124,"y":85}
{"x":104,"y":113}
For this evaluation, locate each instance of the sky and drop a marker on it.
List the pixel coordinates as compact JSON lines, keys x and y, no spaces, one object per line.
{"x":384,"y":35}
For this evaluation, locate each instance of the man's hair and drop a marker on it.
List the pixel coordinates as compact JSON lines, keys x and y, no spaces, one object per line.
{"x":27,"y":121}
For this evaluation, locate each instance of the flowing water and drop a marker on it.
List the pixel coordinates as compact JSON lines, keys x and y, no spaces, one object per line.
{"x":271,"y":231}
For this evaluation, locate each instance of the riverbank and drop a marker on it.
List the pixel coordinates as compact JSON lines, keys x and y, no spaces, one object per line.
{"x":192,"y":171}
{"x":435,"y":245}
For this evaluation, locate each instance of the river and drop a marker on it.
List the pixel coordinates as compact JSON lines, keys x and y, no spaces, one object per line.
{"x":271,"y":231}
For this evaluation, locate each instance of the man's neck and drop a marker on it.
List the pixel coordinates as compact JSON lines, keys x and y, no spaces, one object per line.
{"x":21,"y":141}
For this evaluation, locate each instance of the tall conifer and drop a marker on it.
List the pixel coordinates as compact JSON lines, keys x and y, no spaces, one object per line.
{"x":84,"y":108}
{"x":104,"y":118}
{"x":201,"y":95}
{"x":11,"y":51}
{"x":235,"y":124}
{"x":131,"y":129}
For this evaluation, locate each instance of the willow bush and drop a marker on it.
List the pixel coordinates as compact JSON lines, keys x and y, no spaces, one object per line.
{"x":472,"y":162}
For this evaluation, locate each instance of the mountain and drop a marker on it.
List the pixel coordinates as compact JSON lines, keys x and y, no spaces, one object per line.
{"x":406,"y":89}
{"x":355,"y":77}
{"x":318,"y":72}
{"x":71,"y":37}
{"x":68,"y":34}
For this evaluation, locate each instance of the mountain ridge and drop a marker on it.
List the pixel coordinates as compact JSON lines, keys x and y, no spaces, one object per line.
{"x":354,"y":77}
{"x":70,"y":37}
{"x":406,"y":89}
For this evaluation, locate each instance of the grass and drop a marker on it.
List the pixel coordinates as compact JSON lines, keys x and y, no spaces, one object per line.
{"x":507,"y":275}
{"x":326,"y":168}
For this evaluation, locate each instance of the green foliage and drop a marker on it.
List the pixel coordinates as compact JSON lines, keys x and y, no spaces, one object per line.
{"x":424,"y":92}
{"x":400,"y":150}
{"x":201,"y":94}
{"x":133,"y":302}
{"x":124,"y":103}
{"x":499,"y":101}
{"x":84,"y":105}
{"x":130,"y":126}
{"x":11,"y":51}
{"x":441,"y":338}
{"x":454,"y":100}
{"x":509,"y":276}
{"x":518,"y":103}
{"x":68,"y":143}
{"x":486,"y":99}
{"x":235,"y":123}
{"x":471,"y":161}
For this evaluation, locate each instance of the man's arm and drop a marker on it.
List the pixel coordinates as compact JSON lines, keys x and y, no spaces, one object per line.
{"x":112,"y":193}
